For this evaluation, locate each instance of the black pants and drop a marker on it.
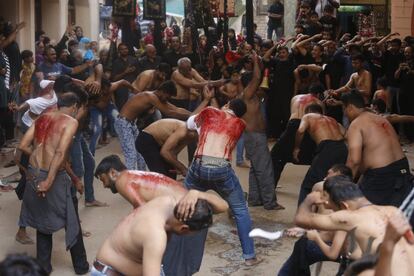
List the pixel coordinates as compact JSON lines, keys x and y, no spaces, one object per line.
{"x":44,"y":244}
{"x":6,"y":124}
{"x":282,"y":151}
{"x":328,"y":153}
{"x":150,"y":150}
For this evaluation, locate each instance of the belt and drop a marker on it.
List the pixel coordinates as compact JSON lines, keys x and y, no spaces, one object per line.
{"x":126,"y":119}
{"x":209,"y":161}
{"x":106,"y":269}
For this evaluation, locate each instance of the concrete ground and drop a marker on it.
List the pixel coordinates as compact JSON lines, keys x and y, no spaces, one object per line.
{"x":222,"y":252}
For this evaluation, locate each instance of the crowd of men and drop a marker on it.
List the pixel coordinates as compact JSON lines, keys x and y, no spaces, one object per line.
{"x":337,"y":103}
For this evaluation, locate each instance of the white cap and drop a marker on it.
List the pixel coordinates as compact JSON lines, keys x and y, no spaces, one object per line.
{"x":45,"y":83}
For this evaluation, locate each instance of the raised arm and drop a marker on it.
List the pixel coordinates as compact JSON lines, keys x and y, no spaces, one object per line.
{"x":190,"y":83}
{"x":386,"y":38}
{"x":395,"y":118}
{"x":251,"y":88}
{"x":123,"y":84}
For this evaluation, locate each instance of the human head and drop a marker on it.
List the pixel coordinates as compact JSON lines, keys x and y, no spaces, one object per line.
{"x":379,"y":106}
{"x":316,"y":89}
{"x":341,"y":191}
{"x":78,"y":91}
{"x":382,"y":83}
{"x":353,"y":102}
{"x":238,"y":106}
{"x":283,"y":53}
{"x":150,"y":51}
{"x":68,"y":103}
{"x":231,"y":33}
{"x":103,"y":55}
{"x":202,"y":218}
{"x":299,"y":29}
{"x":303,"y":73}
{"x":331,"y":49}
{"x":21,"y":265}
{"x":395,"y":45}
{"x":317,"y":51}
{"x":304,"y":8}
{"x":314,"y":108}
{"x":314,"y":17}
{"x":60,"y":83}
{"x":176,"y":43}
{"x":27,"y":56}
{"x":328,"y":10}
{"x":326,"y":34}
{"x":166,"y":90}
{"x":123,"y":50}
{"x":50,"y":54}
{"x":408,"y":53}
{"x":78,"y":31}
{"x":235,"y":76}
{"x":73,"y":45}
{"x":357,"y":62}
{"x":184,"y":66}
{"x":108,"y":171}
{"x":163,"y":71}
{"x":339,"y":169}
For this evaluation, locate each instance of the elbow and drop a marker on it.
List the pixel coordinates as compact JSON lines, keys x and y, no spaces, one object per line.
{"x":224,"y":206}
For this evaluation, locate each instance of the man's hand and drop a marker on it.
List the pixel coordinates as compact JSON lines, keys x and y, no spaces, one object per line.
{"x":187,"y":204}
{"x":130,"y":69}
{"x":397,"y":227}
{"x":94,"y":87}
{"x":12,"y":106}
{"x":79,"y":186}
{"x":20,"y":26}
{"x":295,"y":154}
{"x":208,"y":93}
{"x":42,"y":187}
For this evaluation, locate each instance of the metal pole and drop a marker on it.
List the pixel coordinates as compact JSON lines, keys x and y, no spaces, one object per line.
{"x":249,"y":22}
{"x":225,"y":29}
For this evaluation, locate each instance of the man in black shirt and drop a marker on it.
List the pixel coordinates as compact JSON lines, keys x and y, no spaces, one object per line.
{"x":125,"y":67}
{"x":150,"y":61}
{"x":275,"y":14}
{"x":172,"y":55}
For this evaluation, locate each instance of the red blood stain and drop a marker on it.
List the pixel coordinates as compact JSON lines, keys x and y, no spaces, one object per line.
{"x":215,"y":121}
{"x":306,"y":99}
{"x":43,"y":126}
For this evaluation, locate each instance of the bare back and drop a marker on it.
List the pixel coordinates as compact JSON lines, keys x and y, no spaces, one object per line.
{"x":164,"y":128}
{"x":140,"y":187}
{"x":299,"y":103}
{"x":143,"y":229}
{"x":183,"y":93}
{"x":49,"y":129}
{"x":373,"y":138}
{"x":323,"y":128}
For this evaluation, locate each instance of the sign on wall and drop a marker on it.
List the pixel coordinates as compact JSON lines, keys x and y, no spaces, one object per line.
{"x":124,"y":7}
{"x":154,"y":9}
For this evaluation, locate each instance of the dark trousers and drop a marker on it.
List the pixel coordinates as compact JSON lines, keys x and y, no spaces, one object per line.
{"x":44,"y":244}
{"x":150,"y":150}
{"x":6,"y":124}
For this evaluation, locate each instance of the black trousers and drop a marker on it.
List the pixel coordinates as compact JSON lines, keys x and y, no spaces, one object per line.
{"x":44,"y":243}
{"x":150,"y":150}
{"x":6,"y":124}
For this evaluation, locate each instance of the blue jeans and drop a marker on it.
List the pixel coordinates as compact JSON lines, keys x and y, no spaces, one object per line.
{"x":96,"y":116}
{"x":127,"y":134}
{"x":83,"y":164}
{"x":240,"y":150}
{"x":278,"y":30}
{"x":224,"y":181}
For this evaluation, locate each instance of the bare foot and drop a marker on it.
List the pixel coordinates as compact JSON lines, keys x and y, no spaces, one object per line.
{"x":243,"y":164}
{"x":23,"y":238}
{"x":295,"y":232}
{"x":96,"y":203}
{"x":86,"y":234}
{"x":253,"y":261}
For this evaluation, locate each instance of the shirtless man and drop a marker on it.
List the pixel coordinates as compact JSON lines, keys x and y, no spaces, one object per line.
{"x":102,"y":105}
{"x":150,"y":80}
{"x":140,"y":187}
{"x":305,"y":75}
{"x":261,"y":178}
{"x":132,"y":249}
{"x":365,"y":222}
{"x":375,"y":153}
{"x":186,"y":78}
{"x":380,"y":107}
{"x":47,"y":204}
{"x":282,"y":151}
{"x":219,"y":131}
{"x":360,"y":80}
{"x":328,"y":135}
{"x":234,"y":88}
{"x":138,"y":106}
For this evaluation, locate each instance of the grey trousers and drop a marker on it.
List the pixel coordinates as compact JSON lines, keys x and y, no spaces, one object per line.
{"x":261,"y":178}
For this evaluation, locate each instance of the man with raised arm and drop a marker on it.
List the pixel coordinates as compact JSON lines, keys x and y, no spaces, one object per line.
{"x":375,"y":154}
{"x":138,"y":106}
{"x":47,"y":203}
{"x":328,"y":135}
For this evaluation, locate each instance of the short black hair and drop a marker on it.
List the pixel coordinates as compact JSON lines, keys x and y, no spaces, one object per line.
{"x":328,"y":8}
{"x":343,"y":170}
{"x":78,"y":90}
{"x":26,"y":54}
{"x":358,"y":56}
{"x":60,"y":83}
{"x":396,"y":41}
{"x":48,"y":48}
{"x":316,"y":88}
{"x":246,"y":78}
{"x":169,"y":88}
{"x":340,"y":188}
{"x":21,"y":265}
{"x":353,"y":97}
{"x":314,"y":13}
{"x":380,"y":104}
{"x":105,"y":82}
{"x":110,"y":162}
{"x":383,"y":82}
{"x":122,"y":44}
{"x":303,"y":73}
{"x":67,"y":100}
{"x":164,"y":68}
{"x":314,"y":108}
{"x":202,"y":217}
{"x":238,"y":106}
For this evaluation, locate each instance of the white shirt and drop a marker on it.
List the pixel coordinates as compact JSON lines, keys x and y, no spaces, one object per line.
{"x":37,"y":106}
{"x":320,"y":5}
